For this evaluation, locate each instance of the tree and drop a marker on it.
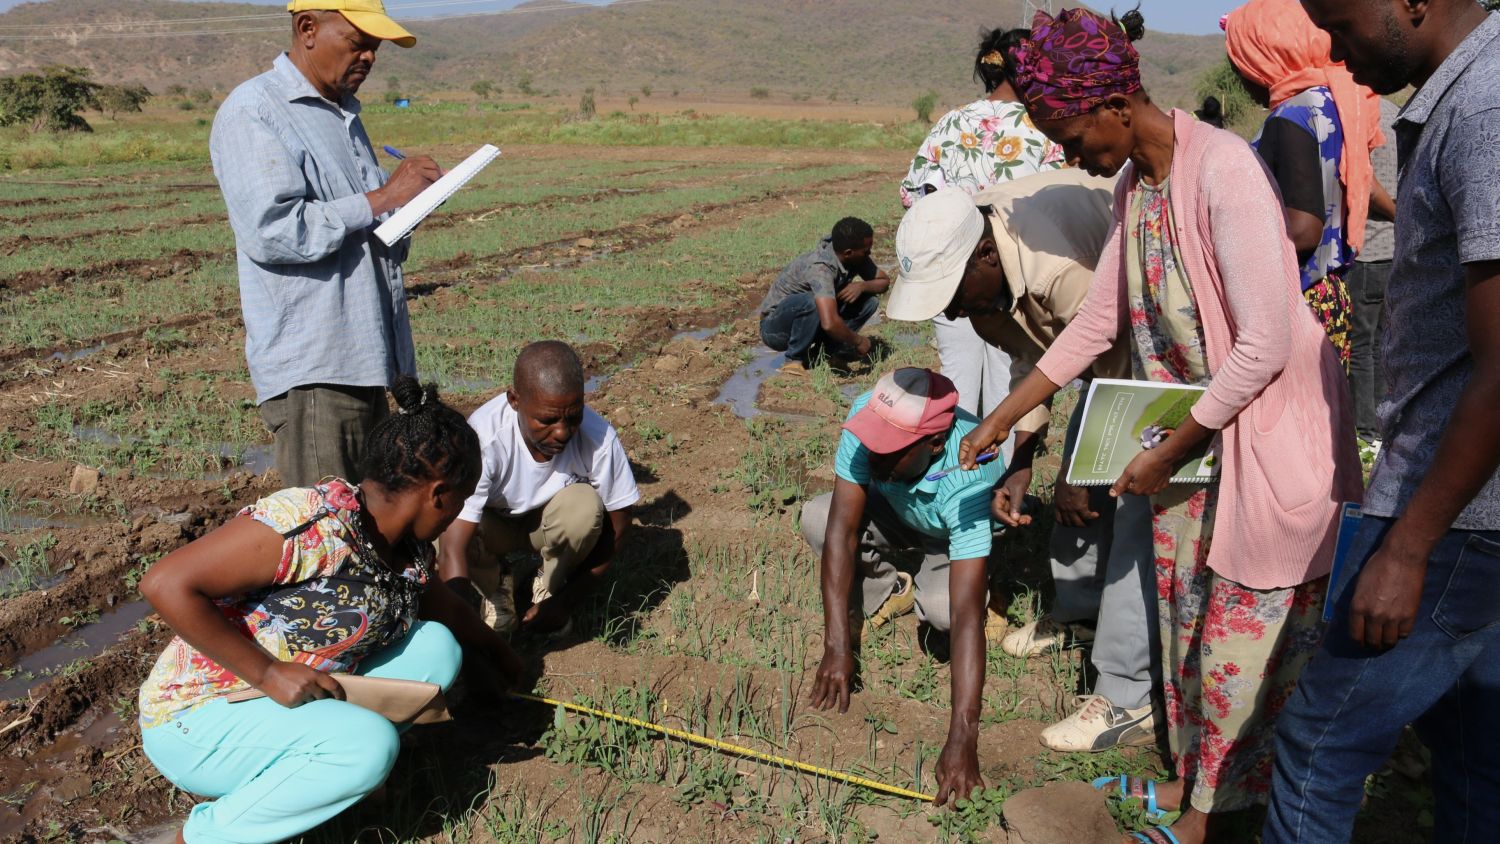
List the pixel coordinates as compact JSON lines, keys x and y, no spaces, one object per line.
{"x":586,"y":104}
{"x":633,"y":100}
{"x":924,"y":105}
{"x":646,"y":91}
{"x":524,"y":85}
{"x":760,"y":93}
{"x":482,"y":89}
{"x":114,"y":99}
{"x":50,"y":99}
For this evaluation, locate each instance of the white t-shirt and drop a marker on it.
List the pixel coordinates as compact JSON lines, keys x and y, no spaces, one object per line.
{"x":513,"y":482}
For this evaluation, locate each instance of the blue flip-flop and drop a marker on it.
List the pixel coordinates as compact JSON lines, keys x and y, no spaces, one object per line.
{"x":1145,"y":793}
{"x":1146,"y":837}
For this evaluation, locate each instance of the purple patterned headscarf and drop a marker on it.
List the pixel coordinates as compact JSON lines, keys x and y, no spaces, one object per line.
{"x":1072,"y":62}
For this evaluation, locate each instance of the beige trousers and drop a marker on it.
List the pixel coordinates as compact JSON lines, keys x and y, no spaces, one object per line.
{"x":563,"y":532}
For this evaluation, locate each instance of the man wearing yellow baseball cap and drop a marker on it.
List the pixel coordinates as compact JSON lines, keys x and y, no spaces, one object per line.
{"x":368,"y":16}
{"x":326,"y":326}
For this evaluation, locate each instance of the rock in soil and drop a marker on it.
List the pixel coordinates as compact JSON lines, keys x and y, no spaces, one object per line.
{"x":1059,"y":813}
{"x":85,"y":481}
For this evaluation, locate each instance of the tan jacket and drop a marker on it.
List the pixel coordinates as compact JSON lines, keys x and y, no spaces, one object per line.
{"x":1049,"y":229}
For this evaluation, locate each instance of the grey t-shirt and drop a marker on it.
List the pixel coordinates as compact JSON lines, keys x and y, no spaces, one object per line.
{"x":1380,"y":236}
{"x":1448,"y":216}
{"x":818,"y":272}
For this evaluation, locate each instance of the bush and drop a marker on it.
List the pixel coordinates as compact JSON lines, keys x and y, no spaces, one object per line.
{"x":924,"y":105}
{"x":646,"y":91}
{"x":1223,"y":82}
{"x":482,"y":89}
{"x":586,"y":105}
{"x":760,"y":93}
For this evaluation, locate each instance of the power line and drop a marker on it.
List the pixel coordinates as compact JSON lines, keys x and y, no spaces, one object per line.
{"x":59,"y":33}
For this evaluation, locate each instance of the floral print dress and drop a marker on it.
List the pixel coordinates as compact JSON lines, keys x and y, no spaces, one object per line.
{"x":1230,"y":654}
{"x":985,"y":143}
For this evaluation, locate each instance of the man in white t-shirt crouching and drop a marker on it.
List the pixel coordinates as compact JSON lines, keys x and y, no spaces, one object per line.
{"x":553,"y":471}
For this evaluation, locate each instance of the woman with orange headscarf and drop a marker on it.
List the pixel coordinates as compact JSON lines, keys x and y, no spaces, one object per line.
{"x":1316,"y":142}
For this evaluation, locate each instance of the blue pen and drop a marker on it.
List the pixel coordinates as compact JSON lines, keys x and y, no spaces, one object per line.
{"x":394,"y":153}
{"x":978,"y":461}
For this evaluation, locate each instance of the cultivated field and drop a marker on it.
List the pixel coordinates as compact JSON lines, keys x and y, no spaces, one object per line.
{"x":121,"y":351}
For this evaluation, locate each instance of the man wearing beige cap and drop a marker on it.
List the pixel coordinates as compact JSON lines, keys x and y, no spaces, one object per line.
{"x":326,"y":328}
{"x":1019,"y":270}
{"x":890,"y":493}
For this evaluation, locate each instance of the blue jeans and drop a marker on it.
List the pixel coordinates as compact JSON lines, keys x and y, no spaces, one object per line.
{"x":1351,"y":703}
{"x":277,"y":772}
{"x":792,"y":326}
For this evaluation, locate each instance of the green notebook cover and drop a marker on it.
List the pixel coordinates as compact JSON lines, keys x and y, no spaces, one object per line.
{"x":1123,"y":418}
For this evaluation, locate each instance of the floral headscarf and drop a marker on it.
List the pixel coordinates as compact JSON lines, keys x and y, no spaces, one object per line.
{"x":1073,"y":62}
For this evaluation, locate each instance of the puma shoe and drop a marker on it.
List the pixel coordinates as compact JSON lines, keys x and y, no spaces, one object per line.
{"x":1044,"y":636}
{"x":1099,"y":725}
{"x":900,"y":602}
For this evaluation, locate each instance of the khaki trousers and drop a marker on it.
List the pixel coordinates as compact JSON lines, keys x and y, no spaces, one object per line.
{"x":563,"y":532}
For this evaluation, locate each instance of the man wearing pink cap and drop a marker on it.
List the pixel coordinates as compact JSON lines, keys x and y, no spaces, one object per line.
{"x":898,"y":434}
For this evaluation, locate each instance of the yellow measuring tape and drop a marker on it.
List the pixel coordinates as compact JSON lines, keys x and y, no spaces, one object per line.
{"x":704,"y":741}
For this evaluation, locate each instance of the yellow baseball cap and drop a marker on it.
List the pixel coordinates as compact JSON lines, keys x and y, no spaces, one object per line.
{"x":367,"y":16}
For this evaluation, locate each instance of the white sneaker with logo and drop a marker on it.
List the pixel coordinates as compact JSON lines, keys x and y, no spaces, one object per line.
{"x":1045,"y":635}
{"x":1099,"y":725}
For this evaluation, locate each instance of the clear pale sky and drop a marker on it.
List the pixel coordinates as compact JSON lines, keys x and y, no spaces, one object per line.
{"x":1195,"y":17}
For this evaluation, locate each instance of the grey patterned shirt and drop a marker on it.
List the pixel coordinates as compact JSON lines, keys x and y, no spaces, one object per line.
{"x":323,"y":298}
{"x":1447,"y":215}
{"x":818,"y":272}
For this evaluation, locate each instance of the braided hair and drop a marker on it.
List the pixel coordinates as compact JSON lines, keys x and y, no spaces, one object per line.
{"x":993,"y":65}
{"x":424,"y":439}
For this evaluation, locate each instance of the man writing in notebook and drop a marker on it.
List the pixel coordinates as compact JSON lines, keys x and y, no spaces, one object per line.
{"x":326,"y":327}
{"x":1019,"y":269}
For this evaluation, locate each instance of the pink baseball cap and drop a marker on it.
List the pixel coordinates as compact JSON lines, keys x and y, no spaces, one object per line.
{"x":905,"y":406}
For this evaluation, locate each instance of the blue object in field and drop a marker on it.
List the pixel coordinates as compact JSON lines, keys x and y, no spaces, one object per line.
{"x":403,"y":103}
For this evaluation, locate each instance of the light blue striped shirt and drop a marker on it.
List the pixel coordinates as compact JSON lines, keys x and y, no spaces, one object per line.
{"x":323,"y":298}
{"x":955,"y":507}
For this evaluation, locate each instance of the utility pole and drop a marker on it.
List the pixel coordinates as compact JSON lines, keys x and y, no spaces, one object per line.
{"x":1029,"y":8}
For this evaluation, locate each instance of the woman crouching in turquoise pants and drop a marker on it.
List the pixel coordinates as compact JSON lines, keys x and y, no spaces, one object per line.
{"x":302,"y":583}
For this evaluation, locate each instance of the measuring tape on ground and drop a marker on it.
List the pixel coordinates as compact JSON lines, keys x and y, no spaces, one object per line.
{"x":715,"y":744}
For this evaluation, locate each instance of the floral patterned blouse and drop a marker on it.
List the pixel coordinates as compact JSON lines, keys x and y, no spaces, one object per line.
{"x":328,"y":607}
{"x":984,"y":143}
{"x":1301,"y":142}
{"x":1166,"y":334}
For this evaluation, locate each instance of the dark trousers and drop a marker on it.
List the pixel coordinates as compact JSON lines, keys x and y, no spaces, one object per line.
{"x":1350,"y":706}
{"x":793,"y":327}
{"x":1367,"y":282}
{"x":320,"y":430}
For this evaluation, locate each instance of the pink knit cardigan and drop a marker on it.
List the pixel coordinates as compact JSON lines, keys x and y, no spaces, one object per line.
{"x":1279,"y":397}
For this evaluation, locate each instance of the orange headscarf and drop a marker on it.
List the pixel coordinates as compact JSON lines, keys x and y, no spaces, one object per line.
{"x":1274,"y":44}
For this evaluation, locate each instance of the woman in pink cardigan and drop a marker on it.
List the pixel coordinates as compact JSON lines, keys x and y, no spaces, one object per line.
{"x":1200,"y":273}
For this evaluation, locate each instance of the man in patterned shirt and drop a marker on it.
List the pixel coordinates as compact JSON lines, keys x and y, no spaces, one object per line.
{"x":1415,"y":631}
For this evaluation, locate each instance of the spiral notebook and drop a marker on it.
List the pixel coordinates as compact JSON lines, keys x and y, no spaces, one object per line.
{"x":1123,"y":418}
{"x":406,"y":218}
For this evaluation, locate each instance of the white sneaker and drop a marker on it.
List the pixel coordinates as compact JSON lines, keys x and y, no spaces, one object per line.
{"x":1099,"y":725}
{"x":1044,"y":636}
{"x":539,"y":591}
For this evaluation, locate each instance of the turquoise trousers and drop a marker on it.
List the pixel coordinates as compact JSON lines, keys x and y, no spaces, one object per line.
{"x":277,"y":772}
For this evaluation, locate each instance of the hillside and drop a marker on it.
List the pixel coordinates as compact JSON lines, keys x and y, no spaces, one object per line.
{"x":872,"y":51}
